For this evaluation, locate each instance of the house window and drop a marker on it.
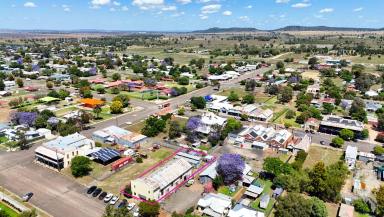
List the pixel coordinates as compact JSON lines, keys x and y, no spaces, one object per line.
{"x":67,"y":155}
{"x":77,"y":152}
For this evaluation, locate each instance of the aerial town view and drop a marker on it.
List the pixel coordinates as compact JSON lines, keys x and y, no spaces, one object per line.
{"x":188,"y":108}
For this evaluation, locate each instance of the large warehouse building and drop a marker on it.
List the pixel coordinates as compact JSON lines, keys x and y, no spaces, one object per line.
{"x":161,"y":181}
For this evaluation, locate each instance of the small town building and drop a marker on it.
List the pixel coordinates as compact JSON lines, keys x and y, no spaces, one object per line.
{"x":351,"y":156}
{"x":332,"y":124}
{"x":58,"y":153}
{"x":91,"y":103}
{"x":155,"y":185}
{"x":208,"y":120}
{"x":117,"y":135}
{"x":243,"y":211}
{"x":214,"y":205}
{"x":253,"y":191}
{"x":346,"y":211}
{"x":264,"y":201}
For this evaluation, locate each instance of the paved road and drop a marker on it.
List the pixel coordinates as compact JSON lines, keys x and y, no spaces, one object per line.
{"x":151,"y":108}
{"x":54,"y":193}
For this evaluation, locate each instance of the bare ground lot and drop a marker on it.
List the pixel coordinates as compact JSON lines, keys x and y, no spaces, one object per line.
{"x":325,"y":154}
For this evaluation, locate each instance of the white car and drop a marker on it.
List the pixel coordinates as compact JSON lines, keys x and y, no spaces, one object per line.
{"x":131,"y":206}
{"x":108,"y":197}
{"x":114,"y":200}
{"x":136,"y":214}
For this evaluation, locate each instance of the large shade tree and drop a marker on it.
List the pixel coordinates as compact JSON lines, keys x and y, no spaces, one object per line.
{"x":230,"y":167}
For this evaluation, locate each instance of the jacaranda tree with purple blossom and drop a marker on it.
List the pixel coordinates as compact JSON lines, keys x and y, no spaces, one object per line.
{"x":193,"y":123}
{"x":230,"y":167}
{"x":26,"y":118}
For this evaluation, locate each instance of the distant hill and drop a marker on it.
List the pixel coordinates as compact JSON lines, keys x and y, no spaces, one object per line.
{"x":324,"y":28}
{"x":227,"y":30}
{"x":287,"y":28}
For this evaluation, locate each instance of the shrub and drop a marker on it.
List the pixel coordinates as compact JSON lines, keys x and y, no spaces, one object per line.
{"x":139,"y":160}
{"x":337,"y":142}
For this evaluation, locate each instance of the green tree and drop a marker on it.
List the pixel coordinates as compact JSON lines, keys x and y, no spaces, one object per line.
{"x":293,"y":205}
{"x":280,"y":65}
{"x":199,"y":102}
{"x":183,"y":81}
{"x":174,"y":130}
{"x":231,"y":125}
{"x":2,"y":85}
{"x":347,"y":134}
{"x":97,"y":110}
{"x":153,"y":126}
{"x":276,"y":166}
{"x":149,"y":209}
{"x":116,"y":76}
{"x":328,"y":108}
{"x":286,"y":94}
{"x":318,"y":208}
{"x":116,"y":107}
{"x":357,"y":110}
{"x":248,"y":99}
{"x":361,"y":206}
{"x":80,"y":166}
{"x":31,"y":213}
{"x":378,"y":150}
{"x":379,"y":195}
{"x":20,"y":82}
{"x":337,"y":142}
{"x":232,"y":97}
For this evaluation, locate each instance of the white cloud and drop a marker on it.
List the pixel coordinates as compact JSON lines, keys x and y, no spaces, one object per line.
{"x":244,"y":18}
{"x":301,"y":5}
{"x":169,"y":8}
{"x":326,"y":10}
{"x":30,"y":5}
{"x":282,"y":1}
{"x":148,"y":4}
{"x":66,"y":8}
{"x":124,"y":8}
{"x":116,"y":3}
{"x":178,"y":14}
{"x":184,"y":1}
{"x":227,"y":13}
{"x":203,"y":17}
{"x":97,"y":3}
{"x":249,"y":7}
{"x":112,"y":9}
{"x":210,"y":9}
{"x":358,"y":9}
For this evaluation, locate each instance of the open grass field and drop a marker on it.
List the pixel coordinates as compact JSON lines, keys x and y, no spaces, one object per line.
{"x":311,"y":74}
{"x":118,"y":180}
{"x":64,"y":111}
{"x":375,"y":59}
{"x":327,"y":155}
{"x":8,"y":210}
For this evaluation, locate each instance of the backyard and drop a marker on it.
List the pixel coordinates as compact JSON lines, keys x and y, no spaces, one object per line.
{"x":327,"y":155}
{"x":267,"y":184}
{"x":117,"y":181}
{"x":8,"y":210}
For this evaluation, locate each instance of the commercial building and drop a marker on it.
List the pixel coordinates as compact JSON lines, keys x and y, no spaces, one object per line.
{"x":117,"y":135}
{"x":155,"y":185}
{"x":58,"y":153}
{"x":334,"y":124}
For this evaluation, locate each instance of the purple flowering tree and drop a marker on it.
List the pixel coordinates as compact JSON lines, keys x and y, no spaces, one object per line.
{"x":26,"y":118}
{"x":174,"y":92}
{"x":230,"y":167}
{"x":150,"y":82}
{"x":193,"y":123}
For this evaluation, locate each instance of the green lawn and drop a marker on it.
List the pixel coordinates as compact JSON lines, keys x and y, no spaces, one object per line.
{"x":8,"y":210}
{"x":327,"y":155}
{"x":267,"y":184}
{"x":150,"y":95}
{"x":240,"y":92}
{"x":3,"y":139}
{"x":64,"y":111}
{"x":225,"y":190}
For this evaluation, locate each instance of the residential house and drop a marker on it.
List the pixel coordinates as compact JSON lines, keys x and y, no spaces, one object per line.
{"x":243,"y":211}
{"x":117,"y":135}
{"x":264,"y":201}
{"x":302,"y":145}
{"x":155,"y":185}
{"x":346,"y":211}
{"x":371,"y":93}
{"x":253,"y":191}
{"x":215,"y":205}
{"x":209,"y":174}
{"x":58,"y":153}
{"x":334,"y":124}
{"x":61,"y":77}
{"x":208,"y":120}
{"x":350,"y":156}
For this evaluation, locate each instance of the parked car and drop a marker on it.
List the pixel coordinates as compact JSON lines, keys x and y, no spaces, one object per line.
{"x":322,"y":142}
{"x":26,"y":197}
{"x":102,"y":195}
{"x":131,"y":206}
{"x":108,"y":197}
{"x":122,"y":204}
{"x":96,"y":192}
{"x":91,"y":189}
{"x":114,"y":200}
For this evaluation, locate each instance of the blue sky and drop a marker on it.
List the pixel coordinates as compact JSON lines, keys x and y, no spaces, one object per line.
{"x":185,"y":15}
